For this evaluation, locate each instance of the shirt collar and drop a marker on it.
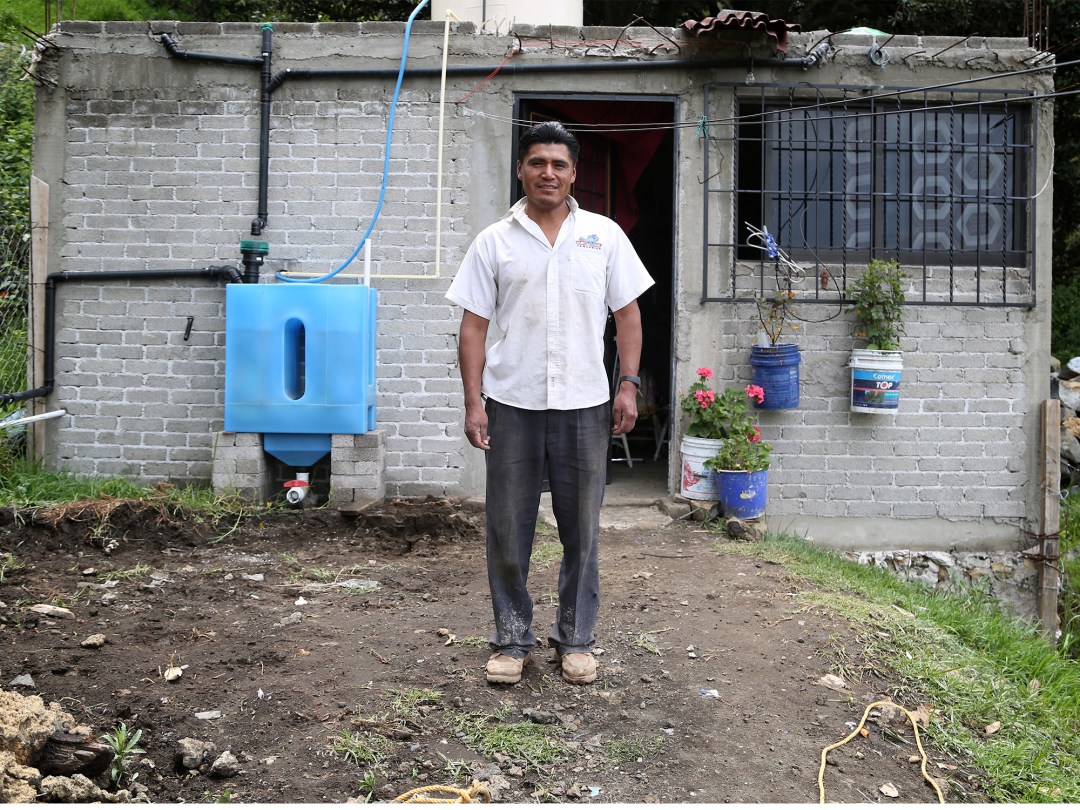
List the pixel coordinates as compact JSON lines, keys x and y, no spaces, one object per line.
{"x":517,"y":210}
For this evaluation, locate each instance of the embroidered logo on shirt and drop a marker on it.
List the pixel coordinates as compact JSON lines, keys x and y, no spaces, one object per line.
{"x":591,"y":242}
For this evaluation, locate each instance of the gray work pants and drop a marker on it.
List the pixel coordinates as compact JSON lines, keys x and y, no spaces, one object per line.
{"x":573,"y":447}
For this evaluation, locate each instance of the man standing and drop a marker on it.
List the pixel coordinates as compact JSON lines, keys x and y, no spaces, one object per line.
{"x":546,"y":274}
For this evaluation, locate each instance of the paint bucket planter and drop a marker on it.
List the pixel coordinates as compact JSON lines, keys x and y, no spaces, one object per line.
{"x":776,"y":371}
{"x":875,"y":381}
{"x":742,"y":494}
{"x":696,"y":480}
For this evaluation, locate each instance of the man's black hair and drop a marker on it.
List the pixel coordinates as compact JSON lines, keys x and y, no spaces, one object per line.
{"x":549,"y":132}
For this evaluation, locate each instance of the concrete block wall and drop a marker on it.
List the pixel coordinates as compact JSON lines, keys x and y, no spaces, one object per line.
{"x":240,"y":465}
{"x":163,"y":157}
{"x":152,"y":162}
{"x":953,"y":452}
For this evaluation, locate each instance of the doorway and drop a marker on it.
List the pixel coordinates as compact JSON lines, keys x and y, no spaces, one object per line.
{"x":627,"y":172}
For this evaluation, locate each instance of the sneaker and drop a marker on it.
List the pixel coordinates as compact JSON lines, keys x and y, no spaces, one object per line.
{"x":502,"y":668}
{"x":577,"y":667}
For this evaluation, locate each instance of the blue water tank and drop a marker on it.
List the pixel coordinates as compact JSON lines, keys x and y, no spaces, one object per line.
{"x":299,"y":358}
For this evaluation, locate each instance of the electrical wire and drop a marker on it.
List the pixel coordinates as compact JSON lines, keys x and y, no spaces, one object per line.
{"x":386,"y":162}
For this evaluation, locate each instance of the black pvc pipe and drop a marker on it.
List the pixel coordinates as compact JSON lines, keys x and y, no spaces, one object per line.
{"x":171,"y":47}
{"x":230,"y":274}
{"x":259,"y":222}
{"x":270,"y":84}
{"x":547,"y":67}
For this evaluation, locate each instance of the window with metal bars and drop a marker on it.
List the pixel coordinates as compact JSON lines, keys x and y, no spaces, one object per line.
{"x":937,"y":180}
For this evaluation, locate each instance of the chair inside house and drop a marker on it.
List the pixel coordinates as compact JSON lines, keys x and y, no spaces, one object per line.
{"x":649,"y":411}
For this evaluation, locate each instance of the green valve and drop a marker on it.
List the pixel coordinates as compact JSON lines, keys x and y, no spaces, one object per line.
{"x":254,"y":246}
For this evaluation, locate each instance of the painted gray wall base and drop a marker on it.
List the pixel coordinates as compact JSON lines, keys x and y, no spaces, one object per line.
{"x":879,"y":534}
{"x":1008,"y":576}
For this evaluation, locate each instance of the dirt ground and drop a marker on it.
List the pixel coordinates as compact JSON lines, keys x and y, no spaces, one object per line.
{"x":303,"y":626}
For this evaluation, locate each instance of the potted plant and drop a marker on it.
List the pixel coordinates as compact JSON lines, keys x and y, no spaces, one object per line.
{"x":721,"y":436}
{"x":775,"y":362}
{"x":877,"y":301}
{"x":740,"y":465}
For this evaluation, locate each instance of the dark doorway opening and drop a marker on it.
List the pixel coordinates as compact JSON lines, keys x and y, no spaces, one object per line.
{"x":627,"y":172}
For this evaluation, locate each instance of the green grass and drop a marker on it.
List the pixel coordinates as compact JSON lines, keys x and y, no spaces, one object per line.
{"x":1069,"y":604}
{"x":968,"y":658}
{"x":628,"y":750}
{"x":364,"y":748}
{"x":406,"y":703}
{"x":544,"y":554}
{"x":532,"y":744}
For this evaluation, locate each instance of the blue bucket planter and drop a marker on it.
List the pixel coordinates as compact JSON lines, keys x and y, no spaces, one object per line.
{"x":776,"y":371}
{"x":742,"y":494}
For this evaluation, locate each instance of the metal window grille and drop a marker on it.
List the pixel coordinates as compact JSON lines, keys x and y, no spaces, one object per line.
{"x":940,"y":181}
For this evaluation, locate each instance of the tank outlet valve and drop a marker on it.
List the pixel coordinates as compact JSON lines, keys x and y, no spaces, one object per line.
{"x":297,"y":489}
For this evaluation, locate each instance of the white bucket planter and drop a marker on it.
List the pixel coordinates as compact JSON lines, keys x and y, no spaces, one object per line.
{"x":875,"y":380}
{"x":696,"y":480}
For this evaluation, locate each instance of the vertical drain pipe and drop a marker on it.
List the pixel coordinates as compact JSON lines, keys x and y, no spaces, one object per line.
{"x":259,"y":222}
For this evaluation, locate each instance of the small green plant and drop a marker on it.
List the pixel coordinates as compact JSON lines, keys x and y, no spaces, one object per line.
{"x":125,"y":575}
{"x":473,"y":641}
{"x":367,"y":787}
{"x":209,"y":797}
{"x":124,"y":742}
{"x":363,"y":747}
{"x":544,"y":554}
{"x":775,"y":313}
{"x":877,"y":300}
{"x":8,"y":563}
{"x":406,"y":703}
{"x":632,"y":749}
{"x":456,"y":769}
{"x":645,"y":641}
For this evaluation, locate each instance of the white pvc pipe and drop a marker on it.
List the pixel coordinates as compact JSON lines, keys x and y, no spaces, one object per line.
{"x":367,"y":262}
{"x":28,"y":419}
{"x":439,"y":149}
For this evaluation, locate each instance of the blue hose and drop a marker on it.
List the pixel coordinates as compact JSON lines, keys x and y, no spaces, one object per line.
{"x":386,"y":161}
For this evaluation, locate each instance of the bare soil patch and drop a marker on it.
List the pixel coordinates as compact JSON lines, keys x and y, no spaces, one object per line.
{"x":302,"y":626}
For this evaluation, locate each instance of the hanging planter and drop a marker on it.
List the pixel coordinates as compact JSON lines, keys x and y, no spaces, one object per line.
{"x":696,"y":481}
{"x":776,"y":372}
{"x":742,"y":494}
{"x":875,"y":380}
{"x":877,"y":302}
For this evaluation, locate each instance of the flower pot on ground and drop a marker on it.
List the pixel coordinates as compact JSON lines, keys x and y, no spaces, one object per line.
{"x":696,"y":481}
{"x":720,"y":424}
{"x":742,"y":494}
{"x":877,"y":302}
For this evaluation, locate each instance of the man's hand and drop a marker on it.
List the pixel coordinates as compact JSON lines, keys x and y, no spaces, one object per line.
{"x":624,"y":412}
{"x":476,"y":424}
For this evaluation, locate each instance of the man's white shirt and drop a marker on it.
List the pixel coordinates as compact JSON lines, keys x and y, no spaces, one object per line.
{"x":549,"y":304}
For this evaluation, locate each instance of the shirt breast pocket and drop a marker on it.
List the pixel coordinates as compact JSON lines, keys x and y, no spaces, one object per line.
{"x":588,"y":272}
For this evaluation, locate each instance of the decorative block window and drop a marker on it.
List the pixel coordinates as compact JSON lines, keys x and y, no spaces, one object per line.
{"x":940,"y":180}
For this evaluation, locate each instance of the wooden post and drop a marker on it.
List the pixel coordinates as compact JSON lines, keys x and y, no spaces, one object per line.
{"x":39,"y":270}
{"x":1050,"y":520}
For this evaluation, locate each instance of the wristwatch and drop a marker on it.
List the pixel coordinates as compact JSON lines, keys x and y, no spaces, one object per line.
{"x":630,"y":378}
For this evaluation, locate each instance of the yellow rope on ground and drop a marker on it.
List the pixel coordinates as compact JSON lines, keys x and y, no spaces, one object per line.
{"x":475,"y":794}
{"x":851,"y":736}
